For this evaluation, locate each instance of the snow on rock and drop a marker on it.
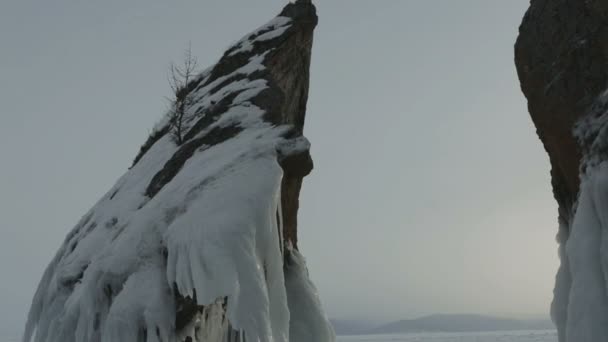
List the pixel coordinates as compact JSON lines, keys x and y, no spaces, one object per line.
{"x":273,"y":29}
{"x":189,"y":244}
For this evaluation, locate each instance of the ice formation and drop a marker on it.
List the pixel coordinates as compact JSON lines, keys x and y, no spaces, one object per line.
{"x":196,"y":242}
{"x":561,"y":65}
{"x":580,"y":305}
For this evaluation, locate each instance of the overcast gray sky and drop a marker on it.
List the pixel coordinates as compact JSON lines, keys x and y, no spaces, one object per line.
{"x":430,"y":191}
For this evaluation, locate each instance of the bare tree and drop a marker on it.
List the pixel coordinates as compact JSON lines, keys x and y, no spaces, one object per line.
{"x":180,"y":77}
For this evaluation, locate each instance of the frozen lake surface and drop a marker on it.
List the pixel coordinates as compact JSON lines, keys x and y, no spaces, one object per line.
{"x":497,"y":336}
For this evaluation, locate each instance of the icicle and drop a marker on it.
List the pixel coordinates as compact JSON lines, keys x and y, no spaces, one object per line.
{"x":280,"y":224}
{"x":308,"y":322}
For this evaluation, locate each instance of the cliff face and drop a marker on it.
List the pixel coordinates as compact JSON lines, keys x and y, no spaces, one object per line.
{"x":198,"y":240}
{"x":561,"y":56}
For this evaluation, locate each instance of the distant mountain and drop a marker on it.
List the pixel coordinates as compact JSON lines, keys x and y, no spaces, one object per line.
{"x":459,"y":323}
{"x":351,"y":327}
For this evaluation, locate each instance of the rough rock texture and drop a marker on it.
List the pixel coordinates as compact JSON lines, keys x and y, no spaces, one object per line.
{"x":561,"y":56}
{"x":198,"y":240}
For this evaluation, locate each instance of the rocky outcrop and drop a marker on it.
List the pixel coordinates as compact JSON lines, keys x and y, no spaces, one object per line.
{"x":198,"y":240}
{"x":561,"y":56}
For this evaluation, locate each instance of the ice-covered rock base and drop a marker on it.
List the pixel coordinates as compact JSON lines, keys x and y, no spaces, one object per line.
{"x":580,"y":305}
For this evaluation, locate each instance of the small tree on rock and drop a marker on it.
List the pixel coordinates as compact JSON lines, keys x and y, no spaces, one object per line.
{"x":180,"y":77}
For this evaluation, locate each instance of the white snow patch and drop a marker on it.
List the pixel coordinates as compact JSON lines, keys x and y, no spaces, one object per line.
{"x":274,"y":28}
{"x":294,"y":146}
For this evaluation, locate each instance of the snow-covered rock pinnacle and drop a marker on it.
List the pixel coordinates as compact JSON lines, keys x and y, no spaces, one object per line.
{"x":197,"y":241}
{"x":562,"y":62}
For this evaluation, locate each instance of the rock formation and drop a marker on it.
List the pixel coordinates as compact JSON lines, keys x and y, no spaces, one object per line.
{"x":561,"y":56}
{"x":198,"y":240}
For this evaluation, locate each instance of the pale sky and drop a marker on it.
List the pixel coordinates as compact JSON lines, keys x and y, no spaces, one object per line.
{"x":430,"y":193}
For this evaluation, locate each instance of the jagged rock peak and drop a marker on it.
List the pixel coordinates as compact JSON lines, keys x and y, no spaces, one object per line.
{"x":197,"y":241}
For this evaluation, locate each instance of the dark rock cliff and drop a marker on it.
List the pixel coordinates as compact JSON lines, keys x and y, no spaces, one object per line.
{"x":561,"y":56}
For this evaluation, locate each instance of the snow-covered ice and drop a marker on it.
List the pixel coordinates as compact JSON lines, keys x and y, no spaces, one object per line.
{"x":580,"y":304}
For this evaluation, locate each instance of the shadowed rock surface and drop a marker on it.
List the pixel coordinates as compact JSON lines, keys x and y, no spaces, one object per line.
{"x":561,"y":56}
